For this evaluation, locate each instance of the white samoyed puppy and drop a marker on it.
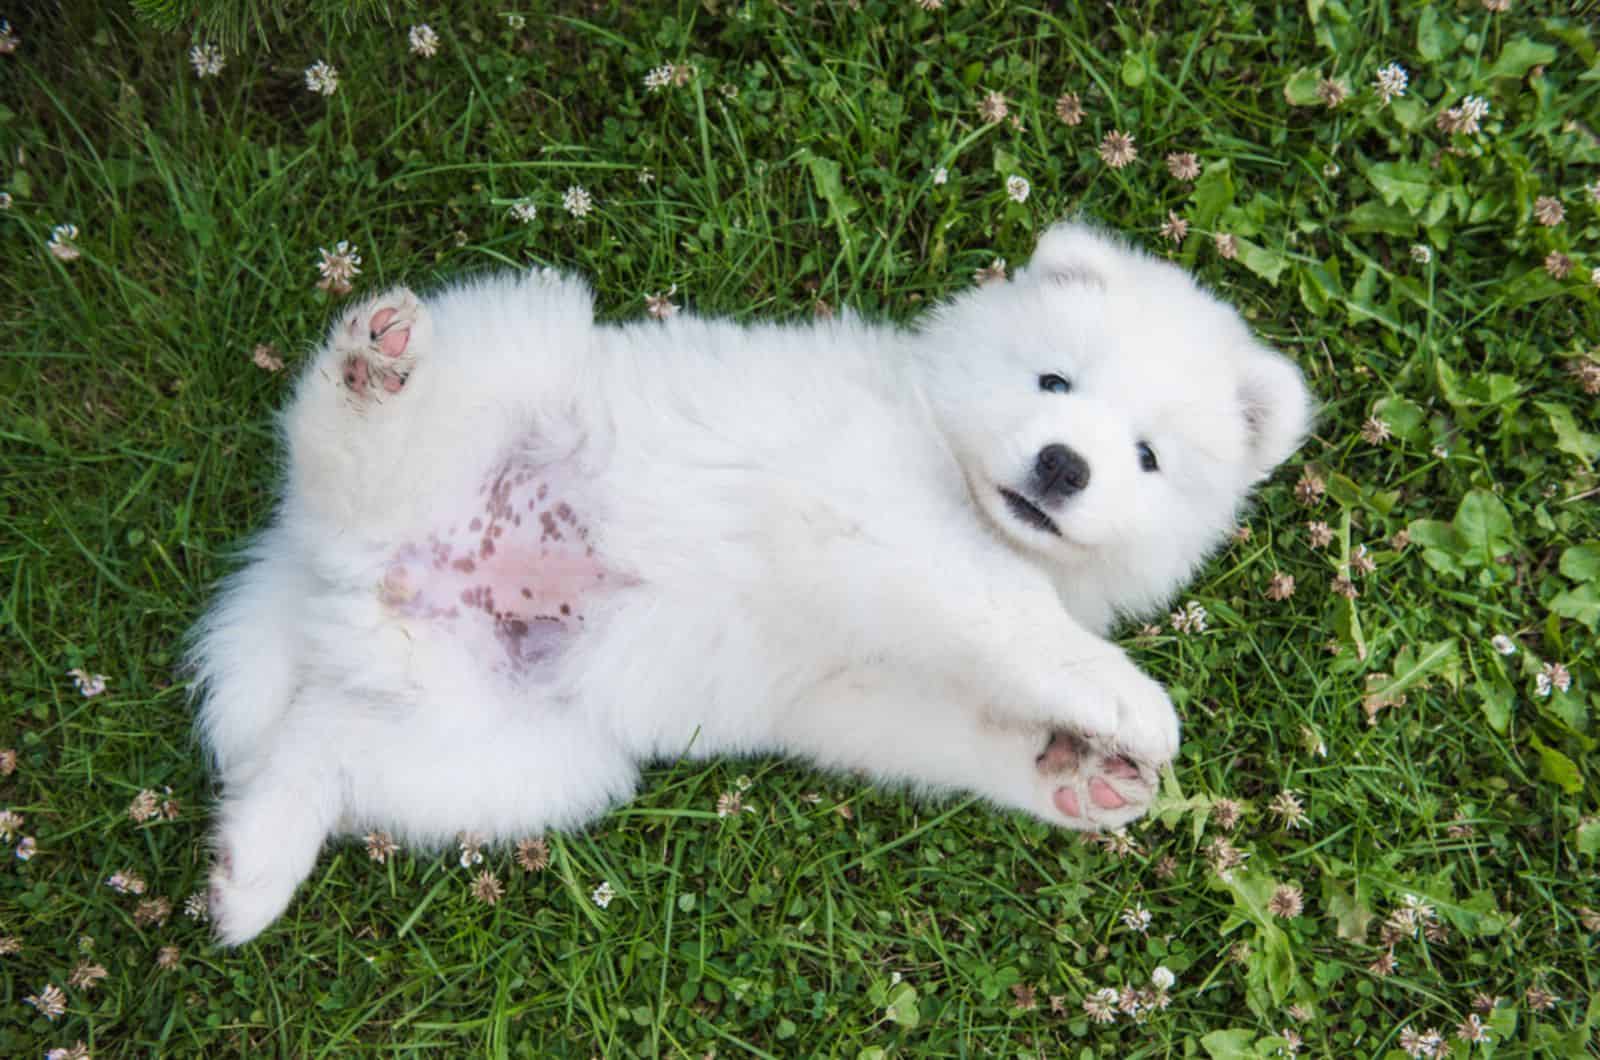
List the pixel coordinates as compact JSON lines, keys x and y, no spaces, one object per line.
{"x":520,"y":553}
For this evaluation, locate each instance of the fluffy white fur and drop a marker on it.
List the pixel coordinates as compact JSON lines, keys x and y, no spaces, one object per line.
{"x":781,"y":538}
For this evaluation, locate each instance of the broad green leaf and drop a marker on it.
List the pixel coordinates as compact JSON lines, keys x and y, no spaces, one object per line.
{"x":1402,"y":182}
{"x":1301,"y":88}
{"x":1587,"y":837}
{"x":1373,"y":216}
{"x":1235,"y":1044}
{"x":1267,"y":264}
{"x":1519,"y":56}
{"x":825,"y":174}
{"x":1413,"y":668}
{"x":1437,"y":35}
{"x":1485,"y":525}
{"x":1135,"y":69}
{"x":1350,"y":915}
{"x":1213,"y":192}
{"x":1404,"y":416}
{"x":1557,"y":767}
{"x":1581,"y":604}
{"x":902,"y":1008}
{"x":1570,"y":438}
{"x":1498,"y":702}
{"x":1581,"y":563}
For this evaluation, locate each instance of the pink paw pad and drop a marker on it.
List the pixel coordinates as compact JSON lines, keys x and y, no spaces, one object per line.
{"x":1066,"y":801}
{"x":1104,"y":795}
{"x":376,"y":344}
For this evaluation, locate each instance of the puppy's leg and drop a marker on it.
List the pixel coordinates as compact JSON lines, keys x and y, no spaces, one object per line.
{"x":246,"y":654}
{"x":352,"y":414}
{"x":269,"y":828}
{"x":910,"y":730}
{"x":991,"y":628}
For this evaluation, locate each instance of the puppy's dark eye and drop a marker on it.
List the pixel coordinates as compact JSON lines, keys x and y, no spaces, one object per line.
{"x":1055,"y":384}
{"x":1147,"y":457}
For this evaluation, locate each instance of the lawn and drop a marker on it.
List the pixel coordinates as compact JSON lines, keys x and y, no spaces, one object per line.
{"x":1382,"y":836}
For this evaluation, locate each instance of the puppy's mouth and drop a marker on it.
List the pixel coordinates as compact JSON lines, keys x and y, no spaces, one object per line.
{"x":1028,"y":512}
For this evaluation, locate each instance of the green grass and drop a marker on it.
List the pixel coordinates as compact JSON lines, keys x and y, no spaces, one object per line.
{"x":796,"y":165}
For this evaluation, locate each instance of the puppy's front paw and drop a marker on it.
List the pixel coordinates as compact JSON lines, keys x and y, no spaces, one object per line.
{"x":378,"y":343}
{"x":1090,"y":785}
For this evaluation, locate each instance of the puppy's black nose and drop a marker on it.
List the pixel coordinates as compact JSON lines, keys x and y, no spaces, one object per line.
{"x":1059,"y":471}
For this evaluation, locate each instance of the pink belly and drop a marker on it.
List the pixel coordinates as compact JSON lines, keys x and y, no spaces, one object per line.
{"x":514,"y":569}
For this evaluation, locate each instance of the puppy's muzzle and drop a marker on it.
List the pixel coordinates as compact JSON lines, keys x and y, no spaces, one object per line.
{"x":1059,"y":472}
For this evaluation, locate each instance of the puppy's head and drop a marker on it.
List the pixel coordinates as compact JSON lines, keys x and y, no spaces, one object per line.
{"x":1109,"y":416}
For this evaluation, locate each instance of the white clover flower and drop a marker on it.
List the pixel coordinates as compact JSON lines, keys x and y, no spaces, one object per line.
{"x":64,"y":246}
{"x":661,"y":306}
{"x":322,"y":78}
{"x":516,"y":21}
{"x":89,"y":684}
{"x":1504,"y":644}
{"x":603,"y":894}
{"x":207,"y":60}
{"x":658,"y":78}
{"x":1391,"y":83}
{"x":1017,"y":189}
{"x":940,"y":176}
{"x":1162,"y":978}
{"x":338,"y":266}
{"x":5,"y":200}
{"x":1421,"y":254}
{"x":423,"y":40}
{"x":577,"y":201}
{"x":524,"y":210}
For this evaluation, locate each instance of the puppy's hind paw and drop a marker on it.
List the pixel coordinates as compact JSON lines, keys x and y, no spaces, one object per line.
{"x":241,"y":911}
{"x":378,"y":344}
{"x":1090,"y":785}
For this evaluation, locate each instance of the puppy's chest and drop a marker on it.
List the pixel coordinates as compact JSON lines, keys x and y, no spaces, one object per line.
{"x":513,"y":568}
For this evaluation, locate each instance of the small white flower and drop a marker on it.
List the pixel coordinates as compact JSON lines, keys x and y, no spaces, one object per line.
{"x":471,"y":844}
{"x":1162,"y":978}
{"x":63,"y":244}
{"x":1421,"y":254}
{"x":90,"y":685}
{"x":26,"y":847}
{"x":1392,"y":82}
{"x":49,"y":1002}
{"x":5,"y":200}
{"x":424,"y":41}
{"x":1017,"y":189}
{"x":1136,"y":919}
{"x":1504,"y":644}
{"x":1475,"y":108}
{"x":1191,"y":619}
{"x":524,"y":210}
{"x":197,"y":906}
{"x":207,"y":60}
{"x":577,"y":201}
{"x":661,"y":306}
{"x":658,"y":78}
{"x":940,"y":176}
{"x":516,"y":21}
{"x":322,"y":78}
{"x":647,"y":175}
{"x":1594,"y":273}
{"x":603,"y":894}
{"x":1553,"y":675}
{"x":339,"y":266}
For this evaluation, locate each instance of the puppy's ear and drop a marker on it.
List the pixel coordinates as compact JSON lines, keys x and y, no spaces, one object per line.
{"x":1277,"y":407}
{"x":1074,"y":252}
